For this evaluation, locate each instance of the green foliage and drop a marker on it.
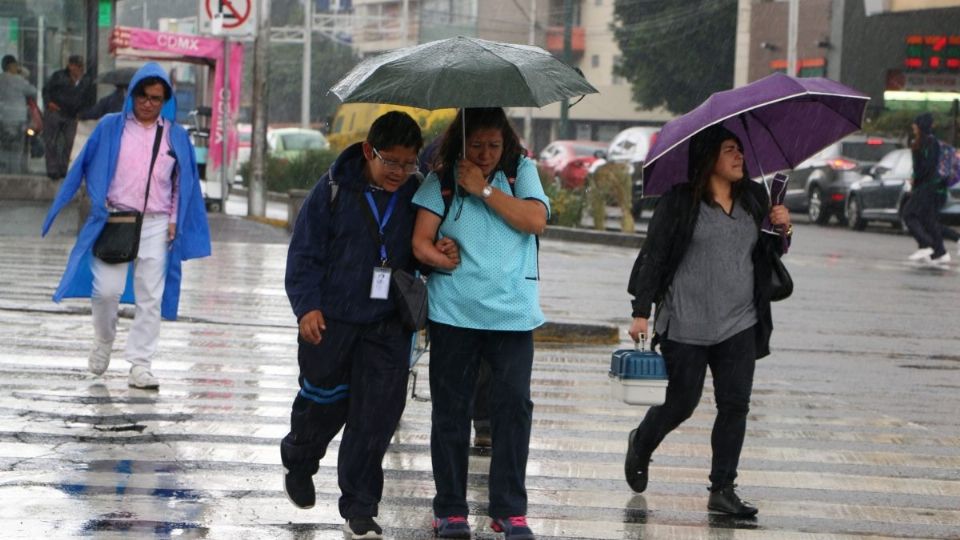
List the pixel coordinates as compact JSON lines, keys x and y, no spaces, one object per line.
{"x":301,"y":172}
{"x":566,"y":206}
{"x":330,"y":62}
{"x":675,"y":52}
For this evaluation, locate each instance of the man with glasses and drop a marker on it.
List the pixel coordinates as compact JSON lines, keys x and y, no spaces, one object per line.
{"x":65,"y":94}
{"x":353,"y":231}
{"x":139,"y":160}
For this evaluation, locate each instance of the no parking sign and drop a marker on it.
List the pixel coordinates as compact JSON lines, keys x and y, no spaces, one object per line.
{"x":227,"y":17}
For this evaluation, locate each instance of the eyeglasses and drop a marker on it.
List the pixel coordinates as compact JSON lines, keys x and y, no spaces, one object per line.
{"x":154,"y":100}
{"x":396,"y":166}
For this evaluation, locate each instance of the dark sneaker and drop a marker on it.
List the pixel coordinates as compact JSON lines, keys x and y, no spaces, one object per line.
{"x":636,"y":466}
{"x":362,"y":527}
{"x":726,"y":501}
{"x":482,"y":437}
{"x":451,"y":527}
{"x":513,"y":528}
{"x":299,"y":489}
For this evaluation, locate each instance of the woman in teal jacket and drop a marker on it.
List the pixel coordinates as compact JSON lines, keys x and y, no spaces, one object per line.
{"x":96,"y":165}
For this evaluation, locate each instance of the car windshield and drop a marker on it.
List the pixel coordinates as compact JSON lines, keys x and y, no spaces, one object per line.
{"x":862,"y":151}
{"x":302,"y":141}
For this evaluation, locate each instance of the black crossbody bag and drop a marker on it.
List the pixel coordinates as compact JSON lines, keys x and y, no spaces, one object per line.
{"x":119,"y":241}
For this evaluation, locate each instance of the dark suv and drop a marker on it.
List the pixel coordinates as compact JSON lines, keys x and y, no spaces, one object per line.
{"x":819,"y":186}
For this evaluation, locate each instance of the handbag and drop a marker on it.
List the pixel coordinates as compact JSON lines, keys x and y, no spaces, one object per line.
{"x":781,"y":284}
{"x":119,"y":241}
{"x":410,"y":295}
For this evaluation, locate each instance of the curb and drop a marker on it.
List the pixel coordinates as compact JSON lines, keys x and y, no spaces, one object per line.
{"x":590,"y":236}
{"x":576,"y":334}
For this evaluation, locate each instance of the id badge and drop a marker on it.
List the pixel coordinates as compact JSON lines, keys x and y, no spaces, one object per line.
{"x":380,"y":288}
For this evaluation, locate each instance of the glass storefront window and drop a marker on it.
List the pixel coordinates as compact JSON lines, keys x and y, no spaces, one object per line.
{"x":37,"y":37}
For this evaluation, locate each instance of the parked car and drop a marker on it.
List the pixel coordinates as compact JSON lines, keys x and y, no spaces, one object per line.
{"x":881,"y":194}
{"x":819,"y":185}
{"x":630,"y":147}
{"x":288,"y":143}
{"x":568,"y":160}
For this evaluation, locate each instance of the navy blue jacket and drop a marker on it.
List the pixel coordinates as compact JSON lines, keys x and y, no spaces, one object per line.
{"x":333,"y":249}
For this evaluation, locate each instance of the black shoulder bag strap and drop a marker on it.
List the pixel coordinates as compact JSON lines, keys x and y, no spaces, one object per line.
{"x":153,"y":160}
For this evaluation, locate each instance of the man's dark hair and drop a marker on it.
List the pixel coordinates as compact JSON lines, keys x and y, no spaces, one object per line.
{"x":7,"y":60}
{"x":395,"y":129}
{"x":75,"y":59}
{"x":138,"y":90}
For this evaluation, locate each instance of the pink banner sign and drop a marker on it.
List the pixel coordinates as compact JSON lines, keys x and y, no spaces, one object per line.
{"x":191,"y":48}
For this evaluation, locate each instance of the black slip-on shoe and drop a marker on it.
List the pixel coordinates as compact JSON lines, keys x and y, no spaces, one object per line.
{"x":362,"y":527}
{"x":299,"y":489}
{"x":636,"y":466}
{"x":726,"y":501}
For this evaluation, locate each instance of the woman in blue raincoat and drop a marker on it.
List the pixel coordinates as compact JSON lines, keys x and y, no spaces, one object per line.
{"x":174,"y":225}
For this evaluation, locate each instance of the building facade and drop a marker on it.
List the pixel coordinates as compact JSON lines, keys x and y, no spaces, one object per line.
{"x":904,"y":54}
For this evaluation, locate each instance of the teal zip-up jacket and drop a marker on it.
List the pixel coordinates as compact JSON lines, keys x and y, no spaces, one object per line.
{"x":95,"y":166}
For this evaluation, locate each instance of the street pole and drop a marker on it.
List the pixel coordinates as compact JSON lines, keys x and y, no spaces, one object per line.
{"x":531,"y":40}
{"x":225,"y":99}
{"x":792,"y":24}
{"x":567,"y":46}
{"x":405,"y":23}
{"x":307,"y":53}
{"x":955,"y":110}
{"x":256,"y":202}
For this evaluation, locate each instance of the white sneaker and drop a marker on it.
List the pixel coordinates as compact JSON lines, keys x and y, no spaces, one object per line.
{"x":921,"y":254}
{"x":943,"y":259}
{"x":99,"y":358}
{"x":140,"y":377}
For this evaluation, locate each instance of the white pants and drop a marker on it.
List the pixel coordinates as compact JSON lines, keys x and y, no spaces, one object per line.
{"x":149,"y":275}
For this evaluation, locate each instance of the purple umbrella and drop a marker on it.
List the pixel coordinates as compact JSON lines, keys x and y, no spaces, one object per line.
{"x":781,"y":121}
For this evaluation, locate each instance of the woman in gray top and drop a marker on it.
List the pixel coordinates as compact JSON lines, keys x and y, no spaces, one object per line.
{"x":705,"y":264}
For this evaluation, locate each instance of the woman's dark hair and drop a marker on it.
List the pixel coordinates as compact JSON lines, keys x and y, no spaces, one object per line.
{"x":702,"y":158}
{"x":139,"y":89}
{"x":451,"y":145}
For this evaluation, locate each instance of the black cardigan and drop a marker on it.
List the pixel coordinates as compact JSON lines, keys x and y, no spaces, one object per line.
{"x":668,"y":237}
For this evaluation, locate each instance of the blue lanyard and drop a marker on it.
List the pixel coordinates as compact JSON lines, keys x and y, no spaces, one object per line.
{"x":382,"y":223}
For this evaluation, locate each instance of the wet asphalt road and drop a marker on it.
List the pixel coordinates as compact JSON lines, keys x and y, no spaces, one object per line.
{"x":853,"y":431}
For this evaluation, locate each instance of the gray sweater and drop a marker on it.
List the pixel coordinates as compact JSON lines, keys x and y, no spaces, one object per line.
{"x":14,"y":91}
{"x":711,"y":296}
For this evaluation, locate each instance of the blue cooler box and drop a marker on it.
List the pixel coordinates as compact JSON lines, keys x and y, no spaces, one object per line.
{"x":638,"y":377}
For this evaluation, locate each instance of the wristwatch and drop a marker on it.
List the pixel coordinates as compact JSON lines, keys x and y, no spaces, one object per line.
{"x":486,"y":192}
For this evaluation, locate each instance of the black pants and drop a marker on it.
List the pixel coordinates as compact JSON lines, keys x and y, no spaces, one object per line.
{"x":455,"y":355}
{"x":357,"y":377}
{"x":922,"y":216}
{"x":59,"y":131}
{"x":731,"y":363}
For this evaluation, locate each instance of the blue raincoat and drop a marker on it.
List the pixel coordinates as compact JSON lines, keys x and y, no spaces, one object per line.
{"x":96,"y":164}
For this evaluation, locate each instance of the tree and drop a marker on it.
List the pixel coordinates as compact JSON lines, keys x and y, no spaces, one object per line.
{"x":330,"y":62}
{"x":675,"y":53}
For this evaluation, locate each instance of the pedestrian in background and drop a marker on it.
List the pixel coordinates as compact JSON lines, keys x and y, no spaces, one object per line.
{"x":354,"y":229}
{"x":115,"y":164}
{"x":14,"y":93}
{"x":65,"y":94}
{"x":112,"y":102}
{"x":705,"y":264}
{"x":927,"y":194}
{"x":486,"y":308}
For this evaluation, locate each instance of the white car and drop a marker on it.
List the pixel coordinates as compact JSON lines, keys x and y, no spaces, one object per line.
{"x":291,"y":142}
